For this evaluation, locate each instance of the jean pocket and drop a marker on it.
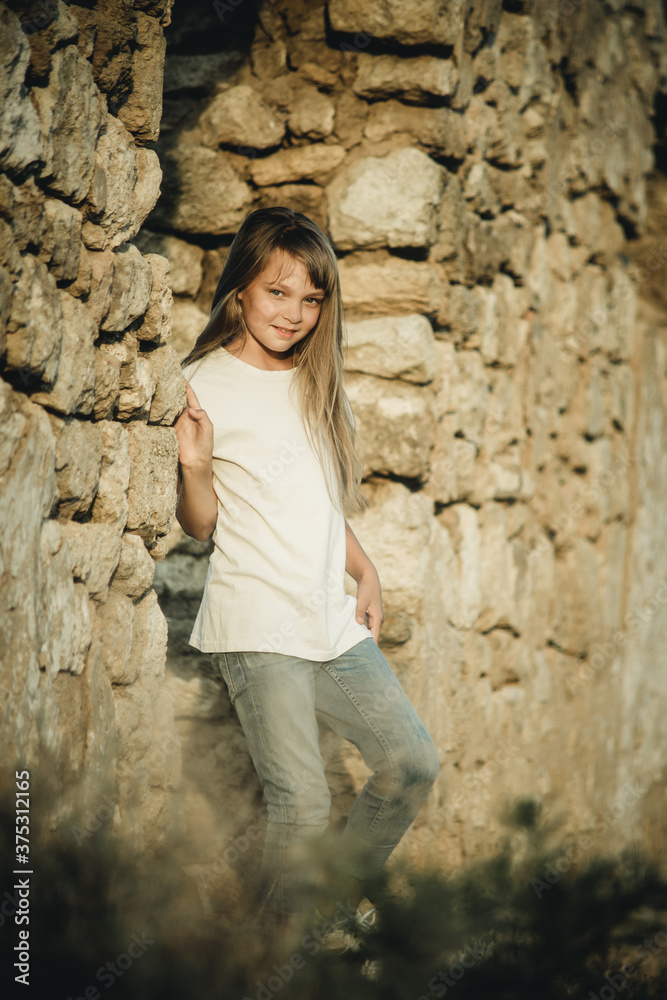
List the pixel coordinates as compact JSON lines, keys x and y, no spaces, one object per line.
{"x":231,"y":669}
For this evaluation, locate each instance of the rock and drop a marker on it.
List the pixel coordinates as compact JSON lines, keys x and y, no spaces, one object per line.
{"x":20,"y":131}
{"x":392,"y":201}
{"x":35,"y":325}
{"x":239,"y":117}
{"x":188,"y":322}
{"x":189,"y":170}
{"x":63,"y":619}
{"x":314,"y":163}
{"x":416,"y":80}
{"x":156,"y":326}
{"x":74,"y":387}
{"x":169,"y":399}
{"x":71,"y":115}
{"x":396,"y":347}
{"x":110,"y":504}
{"x":185,"y":260}
{"x":130,"y":291}
{"x":115,"y":621}
{"x":95,"y":552}
{"x":61,"y":246}
{"x":124,"y":188}
{"x":152,"y":492}
{"x":134,"y":575}
{"x":141,"y":112}
{"x":417,"y":22}
{"x":389,"y":286}
{"x":107,"y":384}
{"x":440,"y":128}
{"x":396,"y":424}
{"x":78,"y":464}
{"x":205,"y":71}
{"x":311,"y":114}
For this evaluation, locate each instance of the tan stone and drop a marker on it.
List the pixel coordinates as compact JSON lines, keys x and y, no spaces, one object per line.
{"x":78,"y":463}
{"x":71,"y":114}
{"x":388,"y":201}
{"x":141,"y":112}
{"x":156,"y":325}
{"x":575,"y":614}
{"x":169,"y":399}
{"x":134,"y":575}
{"x":130,"y":291}
{"x":110,"y":504}
{"x":63,"y":619}
{"x":74,"y":387}
{"x":395,"y":347}
{"x":107,"y":384}
{"x":416,"y":79}
{"x":439,"y":128}
{"x":314,"y":162}
{"x":20,"y":132}
{"x":124,"y":188}
{"x":61,"y":245}
{"x":189,"y":170}
{"x":184,"y":274}
{"x":389,"y":285}
{"x":95,"y":552}
{"x":311,"y":114}
{"x":239,"y":117}
{"x":187,"y":323}
{"x":152,"y":491}
{"x":34,"y":328}
{"x":412,"y":23}
{"x":395,"y":422}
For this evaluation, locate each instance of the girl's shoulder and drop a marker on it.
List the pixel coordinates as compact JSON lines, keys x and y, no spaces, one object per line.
{"x":214,"y":360}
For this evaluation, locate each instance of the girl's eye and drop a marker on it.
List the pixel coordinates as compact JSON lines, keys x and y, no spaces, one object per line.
{"x":275,"y":291}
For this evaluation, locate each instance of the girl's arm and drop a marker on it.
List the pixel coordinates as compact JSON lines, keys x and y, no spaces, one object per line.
{"x":369,"y":592}
{"x":197,"y":507}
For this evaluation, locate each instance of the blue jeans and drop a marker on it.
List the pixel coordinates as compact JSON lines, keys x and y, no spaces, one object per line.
{"x":278,"y":700}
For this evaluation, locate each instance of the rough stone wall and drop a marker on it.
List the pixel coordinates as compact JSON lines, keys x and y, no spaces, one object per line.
{"x":482,"y":170}
{"x":88,"y":391}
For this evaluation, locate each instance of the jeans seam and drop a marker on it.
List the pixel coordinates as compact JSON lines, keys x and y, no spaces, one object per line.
{"x":386,"y":802}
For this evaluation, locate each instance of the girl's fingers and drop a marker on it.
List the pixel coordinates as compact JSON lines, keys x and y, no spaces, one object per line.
{"x":193,"y":402}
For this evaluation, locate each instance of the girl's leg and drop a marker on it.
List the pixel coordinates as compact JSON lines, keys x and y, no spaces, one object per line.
{"x":274,"y":697}
{"x":359,"y":696}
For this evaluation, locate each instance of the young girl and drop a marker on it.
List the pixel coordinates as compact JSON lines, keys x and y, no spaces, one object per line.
{"x":268,"y":466}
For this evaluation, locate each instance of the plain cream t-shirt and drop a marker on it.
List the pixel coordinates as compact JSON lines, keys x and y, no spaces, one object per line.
{"x":275,"y":580}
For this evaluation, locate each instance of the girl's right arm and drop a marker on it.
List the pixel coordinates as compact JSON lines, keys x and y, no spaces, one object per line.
{"x":197,"y":507}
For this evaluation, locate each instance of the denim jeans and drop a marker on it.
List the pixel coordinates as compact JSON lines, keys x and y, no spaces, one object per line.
{"x":278,"y":700}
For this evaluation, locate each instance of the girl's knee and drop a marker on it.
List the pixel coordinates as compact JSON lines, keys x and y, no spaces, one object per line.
{"x":419,"y":768}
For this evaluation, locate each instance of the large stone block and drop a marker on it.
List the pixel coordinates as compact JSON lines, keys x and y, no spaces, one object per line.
{"x":396,"y":347}
{"x":189,"y":170}
{"x":386,"y":201}
{"x":239,"y":117}
{"x":74,"y":387}
{"x":417,"y":80}
{"x":124,"y":188}
{"x":417,"y":22}
{"x":156,"y":326}
{"x":78,"y":464}
{"x":142,"y":110}
{"x":71,"y":113}
{"x":95,"y":553}
{"x":300,"y":163}
{"x":110,"y":505}
{"x":185,"y":260}
{"x":153,"y":474}
{"x":396,"y":424}
{"x":389,"y":286}
{"x":35,"y":325}
{"x":20,"y":131}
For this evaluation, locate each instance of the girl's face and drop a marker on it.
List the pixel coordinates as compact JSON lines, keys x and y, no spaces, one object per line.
{"x":280,"y":307}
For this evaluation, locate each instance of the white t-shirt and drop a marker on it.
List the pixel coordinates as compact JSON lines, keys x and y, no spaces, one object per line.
{"x":275,"y":580}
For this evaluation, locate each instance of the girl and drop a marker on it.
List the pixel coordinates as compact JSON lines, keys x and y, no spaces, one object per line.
{"x":268,"y":466}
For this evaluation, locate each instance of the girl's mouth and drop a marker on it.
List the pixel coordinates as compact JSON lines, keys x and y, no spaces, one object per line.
{"x":283,"y":332}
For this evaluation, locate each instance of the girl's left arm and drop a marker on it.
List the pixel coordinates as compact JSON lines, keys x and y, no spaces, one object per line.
{"x":369,"y":592}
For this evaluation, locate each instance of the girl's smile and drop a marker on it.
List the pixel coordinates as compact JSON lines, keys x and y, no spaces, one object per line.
{"x":280,"y":307}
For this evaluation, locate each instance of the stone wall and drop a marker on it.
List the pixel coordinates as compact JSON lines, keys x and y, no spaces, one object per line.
{"x":483,"y":172}
{"x":89,"y":388}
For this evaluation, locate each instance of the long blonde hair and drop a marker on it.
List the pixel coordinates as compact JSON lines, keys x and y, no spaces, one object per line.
{"x":318,"y":358}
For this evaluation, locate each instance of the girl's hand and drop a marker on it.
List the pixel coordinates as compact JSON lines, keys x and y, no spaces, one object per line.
{"x":369,"y":600}
{"x":194,"y":431}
